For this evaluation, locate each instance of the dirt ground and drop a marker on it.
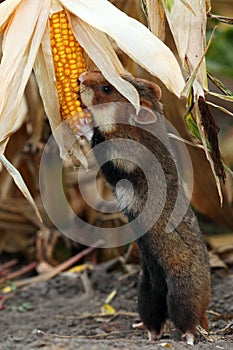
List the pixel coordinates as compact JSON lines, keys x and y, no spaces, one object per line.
{"x":59,"y":314}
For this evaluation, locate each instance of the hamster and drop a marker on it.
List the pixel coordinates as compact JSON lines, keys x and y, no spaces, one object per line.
{"x":174,"y":282}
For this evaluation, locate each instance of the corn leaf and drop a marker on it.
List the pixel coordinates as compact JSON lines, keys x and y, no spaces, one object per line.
{"x":20,"y":183}
{"x":168,"y":4}
{"x":193,"y":76}
{"x":208,"y":5}
{"x":189,"y":7}
{"x":187,"y":22}
{"x":45,"y":76}
{"x":125,"y":30}
{"x":17,"y":60}
{"x":94,"y":41}
{"x":7,"y":8}
{"x":156,"y":18}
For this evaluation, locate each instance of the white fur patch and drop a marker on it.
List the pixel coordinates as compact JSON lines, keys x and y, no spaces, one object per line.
{"x":104,"y":116}
{"x":124,"y":164}
{"x":125,"y":194}
{"x":87,"y":96}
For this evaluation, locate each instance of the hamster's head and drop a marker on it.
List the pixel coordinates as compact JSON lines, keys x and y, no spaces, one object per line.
{"x":109,"y":107}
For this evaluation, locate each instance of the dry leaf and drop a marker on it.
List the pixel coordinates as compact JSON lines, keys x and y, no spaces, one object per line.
{"x":107,"y":309}
{"x":80,"y":268}
{"x":216,"y":262}
{"x":20,"y":183}
{"x":226,"y":254}
{"x":220,"y":240}
{"x":111,"y":296}
{"x":106,"y":17}
{"x":188,"y":27}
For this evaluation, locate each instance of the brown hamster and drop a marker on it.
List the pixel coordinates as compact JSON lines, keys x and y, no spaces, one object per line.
{"x":175,"y":279}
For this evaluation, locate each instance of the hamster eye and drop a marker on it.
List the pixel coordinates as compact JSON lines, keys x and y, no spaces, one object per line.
{"x":107,"y":89}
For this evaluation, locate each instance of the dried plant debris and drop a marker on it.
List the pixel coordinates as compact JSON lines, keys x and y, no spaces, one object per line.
{"x":224,"y":19}
{"x":212,"y":129}
{"x":216,"y":262}
{"x":221,"y":250}
{"x":67,"y":317}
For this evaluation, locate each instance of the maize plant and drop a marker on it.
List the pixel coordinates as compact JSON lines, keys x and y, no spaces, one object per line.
{"x":50,"y":36}
{"x":81,"y":22}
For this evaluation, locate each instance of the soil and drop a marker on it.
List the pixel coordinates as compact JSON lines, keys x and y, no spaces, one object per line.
{"x":61,"y":314}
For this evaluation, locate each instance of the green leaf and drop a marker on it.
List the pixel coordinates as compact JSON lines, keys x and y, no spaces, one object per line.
{"x":25,"y":307}
{"x":192,"y":126}
{"x":189,"y":120}
{"x":220,"y":84}
{"x":168,"y":4}
{"x":228,"y":169}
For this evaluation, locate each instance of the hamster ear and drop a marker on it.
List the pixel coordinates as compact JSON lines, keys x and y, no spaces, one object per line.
{"x":145,"y":116}
{"x":154,"y":87}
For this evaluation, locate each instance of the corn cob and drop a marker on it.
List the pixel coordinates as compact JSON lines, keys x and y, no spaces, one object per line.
{"x":68,"y":64}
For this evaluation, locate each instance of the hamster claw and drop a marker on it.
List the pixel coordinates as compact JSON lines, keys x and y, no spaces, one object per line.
{"x":139,"y":325}
{"x":189,"y":338}
{"x":84,"y":128}
{"x":153,"y":335}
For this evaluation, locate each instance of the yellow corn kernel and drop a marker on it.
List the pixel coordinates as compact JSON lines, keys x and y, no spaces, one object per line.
{"x":68,"y":65}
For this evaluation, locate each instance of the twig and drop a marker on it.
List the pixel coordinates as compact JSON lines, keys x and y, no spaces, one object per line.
{"x":4,"y":267}
{"x":56,"y":270}
{"x":89,"y":315}
{"x":86,"y":283}
{"x":8,"y":264}
{"x":202,"y":332}
{"x":19,"y":272}
{"x":129,"y":274}
{"x":226,"y":330}
{"x":96,"y":336}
